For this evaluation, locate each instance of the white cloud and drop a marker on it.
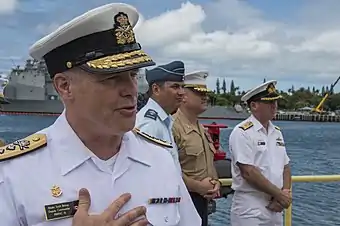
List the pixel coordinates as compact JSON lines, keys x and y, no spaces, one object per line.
{"x":223,"y":46}
{"x":171,"y":26}
{"x":231,"y":38}
{"x":327,"y":42}
{"x":8,"y":6}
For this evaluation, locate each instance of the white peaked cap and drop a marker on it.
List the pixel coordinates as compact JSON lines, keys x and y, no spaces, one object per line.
{"x":100,"y":41}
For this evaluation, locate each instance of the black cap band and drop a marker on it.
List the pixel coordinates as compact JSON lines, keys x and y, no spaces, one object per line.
{"x":84,"y":49}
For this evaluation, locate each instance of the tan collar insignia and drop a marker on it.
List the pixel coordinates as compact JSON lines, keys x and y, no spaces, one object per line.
{"x":153,"y":139}
{"x":56,"y":191}
{"x":23,"y":146}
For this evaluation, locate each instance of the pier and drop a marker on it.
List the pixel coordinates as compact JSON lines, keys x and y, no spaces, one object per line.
{"x":307,"y":117}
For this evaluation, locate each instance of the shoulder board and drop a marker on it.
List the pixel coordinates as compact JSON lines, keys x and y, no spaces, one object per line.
{"x":246,"y":125}
{"x":152,"y":139}
{"x":150,"y":113}
{"x":23,"y":146}
{"x":276,"y":127}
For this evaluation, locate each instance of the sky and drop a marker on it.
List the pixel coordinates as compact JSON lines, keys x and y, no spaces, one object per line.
{"x":296,"y":42}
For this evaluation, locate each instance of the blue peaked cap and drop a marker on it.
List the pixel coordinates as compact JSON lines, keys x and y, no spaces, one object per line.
{"x":173,"y":72}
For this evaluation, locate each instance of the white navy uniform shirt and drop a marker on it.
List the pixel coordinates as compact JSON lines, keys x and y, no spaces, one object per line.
{"x":252,"y":145}
{"x":153,"y":120}
{"x":141,"y":168}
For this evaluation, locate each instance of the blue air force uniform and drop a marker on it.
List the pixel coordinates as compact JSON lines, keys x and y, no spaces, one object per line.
{"x":152,"y":119}
{"x":40,"y":175}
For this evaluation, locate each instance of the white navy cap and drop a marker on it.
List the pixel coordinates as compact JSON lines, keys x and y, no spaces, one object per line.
{"x":197,"y":80}
{"x":100,"y":41}
{"x":263,"y":92}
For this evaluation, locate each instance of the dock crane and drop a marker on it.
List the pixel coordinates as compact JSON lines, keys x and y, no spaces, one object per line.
{"x":319,"y":108}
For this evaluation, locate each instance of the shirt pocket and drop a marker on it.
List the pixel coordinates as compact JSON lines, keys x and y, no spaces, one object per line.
{"x":195,"y":157}
{"x":262,"y":160}
{"x":165,"y":213}
{"x":278,"y":162}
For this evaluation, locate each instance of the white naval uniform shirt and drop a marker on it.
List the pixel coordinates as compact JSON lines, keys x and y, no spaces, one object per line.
{"x":265,"y":150}
{"x":140,"y":167}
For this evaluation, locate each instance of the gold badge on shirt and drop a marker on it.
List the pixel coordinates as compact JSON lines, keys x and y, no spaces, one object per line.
{"x":56,"y":191}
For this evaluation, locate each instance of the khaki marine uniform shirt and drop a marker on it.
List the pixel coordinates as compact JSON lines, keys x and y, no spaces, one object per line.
{"x":196,"y":149}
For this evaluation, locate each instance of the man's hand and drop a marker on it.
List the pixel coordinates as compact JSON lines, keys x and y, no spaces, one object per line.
{"x":288,"y":192}
{"x":134,"y":217}
{"x":284,"y":198}
{"x":204,"y":186}
{"x":275,"y":206}
{"x":211,"y":194}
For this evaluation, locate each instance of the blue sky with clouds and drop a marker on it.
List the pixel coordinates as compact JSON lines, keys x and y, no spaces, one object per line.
{"x":293,"y":41}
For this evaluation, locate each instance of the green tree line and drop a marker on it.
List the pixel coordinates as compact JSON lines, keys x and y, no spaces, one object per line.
{"x":292,"y":98}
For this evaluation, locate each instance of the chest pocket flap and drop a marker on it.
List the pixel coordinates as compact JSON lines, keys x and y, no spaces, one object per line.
{"x":193,"y":144}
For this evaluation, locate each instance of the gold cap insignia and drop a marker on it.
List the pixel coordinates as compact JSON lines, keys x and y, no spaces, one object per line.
{"x":56,"y":191}
{"x":123,"y":30}
{"x":271,"y":88}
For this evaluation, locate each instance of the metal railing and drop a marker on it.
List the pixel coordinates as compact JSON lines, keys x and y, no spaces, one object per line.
{"x":301,"y":179}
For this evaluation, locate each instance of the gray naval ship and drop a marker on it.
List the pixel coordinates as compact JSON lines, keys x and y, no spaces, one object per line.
{"x":30,"y":91}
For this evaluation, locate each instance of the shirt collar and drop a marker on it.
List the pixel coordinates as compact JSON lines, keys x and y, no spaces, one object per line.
{"x":258,"y":126}
{"x":184,"y":121}
{"x":71,"y":152}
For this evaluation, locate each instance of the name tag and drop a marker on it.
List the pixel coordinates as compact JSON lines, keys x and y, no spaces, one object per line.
{"x":259,"y":143}
{"x":59,"y":211}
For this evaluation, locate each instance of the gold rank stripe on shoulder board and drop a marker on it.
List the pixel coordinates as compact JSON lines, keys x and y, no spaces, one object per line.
{"x":246,"y":125}
{"x":23,"y":146}
{"x":278,"y":128}
{"x":152,"y":139}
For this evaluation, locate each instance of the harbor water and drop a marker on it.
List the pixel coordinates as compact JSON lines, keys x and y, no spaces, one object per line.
{"x":314,"y":149}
